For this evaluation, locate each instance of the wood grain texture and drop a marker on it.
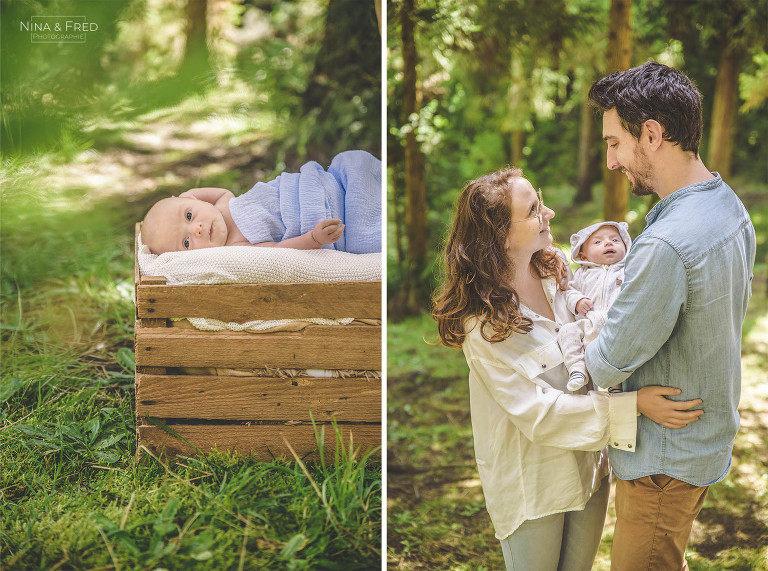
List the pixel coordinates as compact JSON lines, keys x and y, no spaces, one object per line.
{"x":263,"y":442}
{"x":258,"y":398}
{"x":247,"y":302}
{"x":315,"y":347}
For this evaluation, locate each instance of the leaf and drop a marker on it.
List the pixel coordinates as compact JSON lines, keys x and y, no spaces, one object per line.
{"x":109,"y":441}
{"x":296,"y":543}
{"x":203,"y":556}
{"x":126,"y":359}
{"x":10,"y":388}
{"x":92,"y":426}
{"x":107,"y":457}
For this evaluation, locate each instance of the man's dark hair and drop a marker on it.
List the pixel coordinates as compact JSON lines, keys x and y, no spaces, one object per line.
{"x":653,"y":91}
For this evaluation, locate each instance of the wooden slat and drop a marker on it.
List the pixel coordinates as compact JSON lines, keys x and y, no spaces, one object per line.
{"x":258,"y":398}
{"x":315,"y":347}
{"x":246,"y":302}
{"x":262,"y":441}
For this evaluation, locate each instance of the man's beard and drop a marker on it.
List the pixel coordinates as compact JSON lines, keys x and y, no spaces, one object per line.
{"x":640,"y":184}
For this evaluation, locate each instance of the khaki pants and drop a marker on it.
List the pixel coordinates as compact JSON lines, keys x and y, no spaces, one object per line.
{"x":654,"y":516}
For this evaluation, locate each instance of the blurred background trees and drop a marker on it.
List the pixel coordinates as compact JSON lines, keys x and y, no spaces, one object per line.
{"x":316,"y":64}
{"x":504,"y":82}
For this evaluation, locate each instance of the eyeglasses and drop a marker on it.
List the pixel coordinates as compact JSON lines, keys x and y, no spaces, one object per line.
{"x":538,"y":212}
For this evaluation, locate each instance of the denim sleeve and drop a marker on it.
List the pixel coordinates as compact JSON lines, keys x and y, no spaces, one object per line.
{"x":643,"y":316}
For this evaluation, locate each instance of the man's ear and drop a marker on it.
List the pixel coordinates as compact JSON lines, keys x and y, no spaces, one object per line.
{"x":653,"y":133}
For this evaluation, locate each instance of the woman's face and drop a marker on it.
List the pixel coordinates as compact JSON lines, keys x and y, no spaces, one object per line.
{"x":526,"y":235}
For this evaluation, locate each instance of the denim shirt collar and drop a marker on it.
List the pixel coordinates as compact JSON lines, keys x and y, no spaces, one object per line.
{"x":655,"y":212}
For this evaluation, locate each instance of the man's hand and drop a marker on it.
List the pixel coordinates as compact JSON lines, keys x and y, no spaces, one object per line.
{"x":584,"y":305}
{"x":652,"y":403}
{"x":327,"y":231}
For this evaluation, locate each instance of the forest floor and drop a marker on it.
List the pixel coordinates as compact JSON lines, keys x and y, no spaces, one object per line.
{"x":436,"y":517}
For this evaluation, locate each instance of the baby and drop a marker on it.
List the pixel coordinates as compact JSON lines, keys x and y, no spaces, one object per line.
{"x":305,"y":210}
{"x":600,"y":249}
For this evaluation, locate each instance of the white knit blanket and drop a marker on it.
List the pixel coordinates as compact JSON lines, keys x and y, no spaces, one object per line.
{"x":253,"y":264}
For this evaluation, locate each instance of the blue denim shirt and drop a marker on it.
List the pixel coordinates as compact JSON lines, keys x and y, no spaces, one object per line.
{"x":677,"y":322}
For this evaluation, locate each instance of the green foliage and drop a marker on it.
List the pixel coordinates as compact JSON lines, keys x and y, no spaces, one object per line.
{"x":494,"y":71}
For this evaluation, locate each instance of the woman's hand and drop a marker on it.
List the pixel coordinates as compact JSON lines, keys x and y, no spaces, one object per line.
{"x":652,"y":403}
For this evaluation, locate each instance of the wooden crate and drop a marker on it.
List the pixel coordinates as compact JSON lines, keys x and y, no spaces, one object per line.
{"x":181,"y":413}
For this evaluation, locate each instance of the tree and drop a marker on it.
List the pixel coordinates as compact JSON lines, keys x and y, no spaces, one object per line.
{"x":616,"y":197}
{"x":409,"y":299}
{"x":195,"y":65}
{"x":736,"y":30}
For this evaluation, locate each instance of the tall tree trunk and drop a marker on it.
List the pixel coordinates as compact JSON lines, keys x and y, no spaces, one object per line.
{"x":408,"y":300}
{"x":724,"y":109}
{"x":517,"y":147}
{"x":616,"y":197}
{"x":397,"y":219}
{"x":195,"y":64}
{"x":589,"y":156}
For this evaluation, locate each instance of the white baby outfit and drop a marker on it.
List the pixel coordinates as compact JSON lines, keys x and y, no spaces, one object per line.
{"x":600,"y":283}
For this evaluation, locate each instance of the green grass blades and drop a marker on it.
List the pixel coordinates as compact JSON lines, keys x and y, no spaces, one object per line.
{"x":64,"y":505}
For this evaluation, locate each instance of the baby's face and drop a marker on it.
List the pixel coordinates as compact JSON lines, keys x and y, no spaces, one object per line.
{"x":175,"y":224}
{"x":604,"y":246}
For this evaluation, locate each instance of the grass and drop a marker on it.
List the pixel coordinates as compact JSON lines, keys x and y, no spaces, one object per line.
{"x":436,"y":517}
{"x":75,"y":494}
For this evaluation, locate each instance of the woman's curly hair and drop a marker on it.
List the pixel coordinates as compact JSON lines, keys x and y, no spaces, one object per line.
{"x":478,"y":270}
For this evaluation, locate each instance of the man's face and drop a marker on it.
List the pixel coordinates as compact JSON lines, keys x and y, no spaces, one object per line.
{"x":604,"y":246}
{"x":625,"y":153}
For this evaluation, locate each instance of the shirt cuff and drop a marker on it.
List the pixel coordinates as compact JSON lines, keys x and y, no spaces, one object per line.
{"x":602,"y":372}
{"x":622,"y":408}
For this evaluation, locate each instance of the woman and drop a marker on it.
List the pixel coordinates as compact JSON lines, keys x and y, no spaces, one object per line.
{"x":539,"y":448}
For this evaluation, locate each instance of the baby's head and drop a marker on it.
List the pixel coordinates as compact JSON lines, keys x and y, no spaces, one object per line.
{"x":603,"y":243}
{"x":183,"y":223}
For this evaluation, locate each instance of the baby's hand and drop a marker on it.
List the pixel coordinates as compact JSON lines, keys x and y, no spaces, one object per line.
{"x":584,"y":305}
{"x":327,"y":231}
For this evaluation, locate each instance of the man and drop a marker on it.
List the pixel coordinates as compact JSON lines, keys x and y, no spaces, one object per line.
{"x":677,"y":321}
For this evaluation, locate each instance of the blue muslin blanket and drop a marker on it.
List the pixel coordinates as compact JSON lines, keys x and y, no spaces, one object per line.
{"x":293,"y":203}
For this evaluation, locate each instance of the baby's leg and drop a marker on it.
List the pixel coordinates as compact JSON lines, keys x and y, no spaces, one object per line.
{"x":571,"y":340}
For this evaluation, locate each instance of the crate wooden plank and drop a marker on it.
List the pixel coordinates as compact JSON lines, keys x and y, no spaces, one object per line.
{"x":258,"y":398}
{"x":315,"y":347}
{"x":244,"y":302}
{"x":264,"y":442}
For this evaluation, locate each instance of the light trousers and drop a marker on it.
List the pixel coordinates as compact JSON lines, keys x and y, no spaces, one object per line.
{"x":566,"y":541}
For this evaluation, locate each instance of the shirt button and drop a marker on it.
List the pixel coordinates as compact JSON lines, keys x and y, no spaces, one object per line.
{"x":543,"y":365}
{"x":629,"y":446}
{"x":557,"y":330}
{"x":615,"y":444}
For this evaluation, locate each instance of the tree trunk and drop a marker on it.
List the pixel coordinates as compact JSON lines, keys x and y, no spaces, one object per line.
{"x":195,"y":64}
{"x":397,"y":220}
{"x":589,"y":157}
{"x":517,"y":148}
{"x":616,"y":197}
{"x":408,"y":300}
{"x":724,"y":106}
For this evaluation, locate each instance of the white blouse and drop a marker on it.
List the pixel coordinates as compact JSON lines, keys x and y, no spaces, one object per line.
{"x":539,"y":448}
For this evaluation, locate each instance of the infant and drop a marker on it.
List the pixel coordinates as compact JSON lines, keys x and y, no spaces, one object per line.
{"x":339,"y":208}
{"x":600,"y":250}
